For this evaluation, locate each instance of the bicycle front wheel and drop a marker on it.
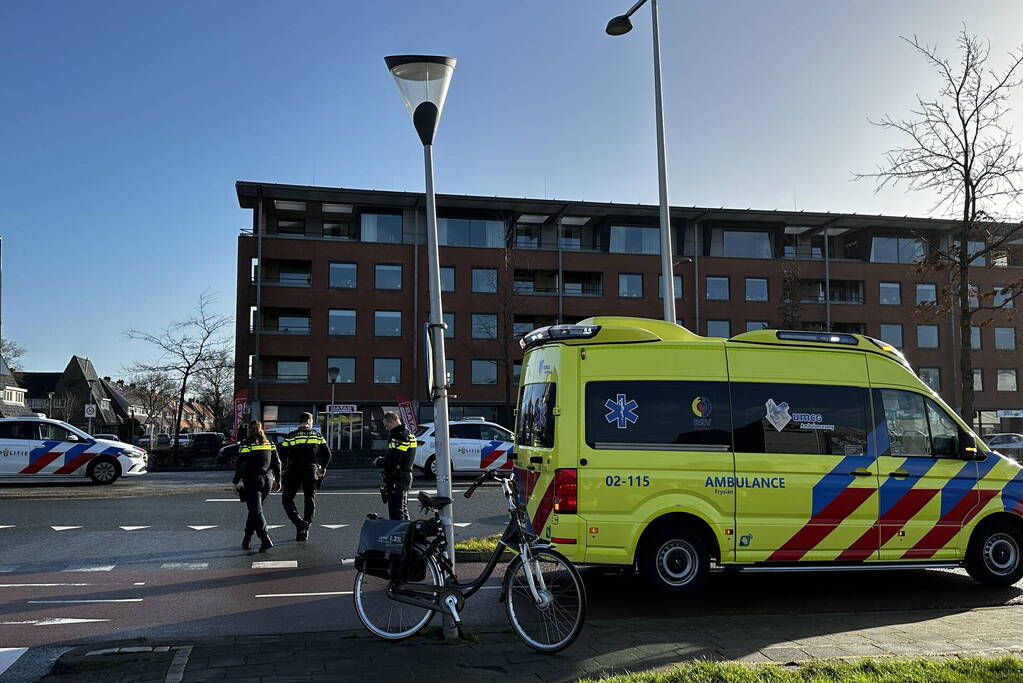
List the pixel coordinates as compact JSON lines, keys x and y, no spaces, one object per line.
{"x":387,"y":618}
{"x":551,"y":620}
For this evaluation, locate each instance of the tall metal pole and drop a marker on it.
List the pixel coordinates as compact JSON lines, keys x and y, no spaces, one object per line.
{"x":667,"y":270}
{"x":440,"y":388}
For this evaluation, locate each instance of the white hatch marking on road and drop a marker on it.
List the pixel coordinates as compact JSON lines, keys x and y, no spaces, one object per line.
{"x":276,"y":564}
{"x":40,"y":585}
{"x":221,"y":500}
{"x":347,"y":561}
{"x":461,"y":525}
{"x":490,"y":588}
{"x":69,"y":602}
{"x":6,"y":570}
{"x":185,"y":565}
{"x":334,"y":526}
{"x":6,"y":526}
{"x":134,"y":528}
{"x":139,"y":583}
{"x":49,"y":622}
{"x":64,"y":528}
{"x":302,"y":595}
{"x":9,"y":655}
{"x":203,"y":528}
{"x":90,"y":568}
{"x":274,"y":526}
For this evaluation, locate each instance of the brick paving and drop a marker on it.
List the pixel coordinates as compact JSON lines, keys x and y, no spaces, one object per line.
{"x":605,"y":647}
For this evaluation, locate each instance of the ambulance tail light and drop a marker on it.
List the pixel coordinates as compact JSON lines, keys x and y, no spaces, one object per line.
{"x":566,"y":491}
{"x":556,"y":332}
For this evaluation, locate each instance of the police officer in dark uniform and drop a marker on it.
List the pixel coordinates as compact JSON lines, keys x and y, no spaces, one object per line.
{"x":258,"y":471}
{"x":305,"y":455}
{"x":397,"y":466}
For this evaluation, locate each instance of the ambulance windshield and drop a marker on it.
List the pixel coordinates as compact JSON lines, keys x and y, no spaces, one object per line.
{"x":536,"y":416}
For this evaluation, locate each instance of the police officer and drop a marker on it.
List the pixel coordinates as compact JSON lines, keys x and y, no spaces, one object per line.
{"x":306,"y":456}
{"x":397,"y":466}
{"x":258,"y":471}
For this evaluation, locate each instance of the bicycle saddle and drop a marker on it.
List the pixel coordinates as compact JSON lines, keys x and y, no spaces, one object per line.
{"x":433,"y":501}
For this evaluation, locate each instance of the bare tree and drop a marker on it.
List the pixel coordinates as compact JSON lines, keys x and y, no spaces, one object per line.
{"x":214,"y":388}
{"x":154,"y":392}
{"x":11,"y":353}
{"x":959,"y":146}
{"x":186,"y":347}
{"x":66,"y":406}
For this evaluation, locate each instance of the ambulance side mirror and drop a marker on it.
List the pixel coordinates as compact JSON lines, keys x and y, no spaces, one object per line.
{"x":970,"y":450}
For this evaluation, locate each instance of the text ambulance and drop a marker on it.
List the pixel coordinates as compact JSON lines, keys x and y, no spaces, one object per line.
{"x":641,"y":442}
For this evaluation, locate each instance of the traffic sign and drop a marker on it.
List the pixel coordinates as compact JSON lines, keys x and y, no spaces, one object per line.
{"x":341,"y":408}
{"x":90,"y":410}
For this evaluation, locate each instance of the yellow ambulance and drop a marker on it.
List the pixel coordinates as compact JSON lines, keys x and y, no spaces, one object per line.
{"x":641,"y":443}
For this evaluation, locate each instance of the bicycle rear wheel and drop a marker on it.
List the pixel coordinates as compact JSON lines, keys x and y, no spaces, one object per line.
{"x":387,"y":618}
{"x":553,"y":623}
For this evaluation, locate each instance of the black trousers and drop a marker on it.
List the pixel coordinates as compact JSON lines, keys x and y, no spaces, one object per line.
{"x":293,"y":481}
{"x":398,"y":486}
{"x":254,"y":492}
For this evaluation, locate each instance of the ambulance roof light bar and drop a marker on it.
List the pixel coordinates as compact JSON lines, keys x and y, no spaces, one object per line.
{"x":556,"y":332}
{"x":818,"y":337}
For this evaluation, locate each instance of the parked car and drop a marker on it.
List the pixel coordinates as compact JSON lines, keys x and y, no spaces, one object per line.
{"x":106,"y":437}
{"x":474,"y":443}
{"x":228,"y":455}
{"x":206,"y":443}
{"x":1009,"y":445}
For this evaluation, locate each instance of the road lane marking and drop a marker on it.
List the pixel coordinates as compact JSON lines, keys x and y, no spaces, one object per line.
{"x":134,"y":528}
{"x":185,"y":565}
{"x":274,"y":526}
{"x":69,"y":602}
{"x":49,"y":622}
{"x":41,"y":585}
{"x":203,"y":528}
{"x":302,"y":595}
{"x":139,"y":583}
{"x":276,"y":564}
{"x":461,"y":525}
{"x":221,"y":500}
{"x":8,"y":656}
{"x":89,"y":568}
{"x":6,"y":526}
{"x":347,"y":561}
{"x":64,"y":528}
{"x":334,"y":526}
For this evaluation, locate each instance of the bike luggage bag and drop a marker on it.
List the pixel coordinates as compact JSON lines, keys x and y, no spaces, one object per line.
{"x":382,"y":544}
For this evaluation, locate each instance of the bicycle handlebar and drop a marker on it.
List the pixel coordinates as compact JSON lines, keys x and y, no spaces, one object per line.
{"x":479,"y":481}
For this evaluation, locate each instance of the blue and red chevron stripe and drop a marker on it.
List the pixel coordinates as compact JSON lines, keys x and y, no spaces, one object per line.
{"x":71,"y":457}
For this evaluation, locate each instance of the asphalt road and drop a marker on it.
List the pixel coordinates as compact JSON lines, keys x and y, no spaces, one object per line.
{"x":165,"y":565}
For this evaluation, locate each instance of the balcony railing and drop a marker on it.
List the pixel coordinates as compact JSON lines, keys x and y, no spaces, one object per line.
{"x":287,"y":281}
{"x":293,"y":330}
{"x":850,"y":299}
{"x":282,"y":379}
{"x":528,"y":289}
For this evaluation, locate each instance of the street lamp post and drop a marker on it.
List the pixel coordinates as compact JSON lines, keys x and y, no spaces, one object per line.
{"x":423,"y":81}
{"x":618,"y":26}
{"x":50,"y":413}
{"x":332,"y":373}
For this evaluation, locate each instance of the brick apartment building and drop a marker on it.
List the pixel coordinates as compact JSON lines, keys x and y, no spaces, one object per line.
{"x":343,"y":284}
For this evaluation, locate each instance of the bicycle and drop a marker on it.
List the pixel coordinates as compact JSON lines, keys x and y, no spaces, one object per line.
{"x":544,"y":596}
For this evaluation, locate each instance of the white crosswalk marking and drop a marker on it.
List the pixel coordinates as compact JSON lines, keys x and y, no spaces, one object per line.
{"x":89,"y":568}
{"x":6,"y":526}
{"x":64,"y":528}
{"x":274,"y":526}
{"x":301,"y":595}
{"x":276,"y":564}
{"x":49,"y":622}
{"x":69,"y":602}
{"x":134,"y":528}
{"x":461,"y":525}
{"x":8,"y":656}
{"x":334,"y":526}
{"x":40,"y":585}
{"x":185,"y":565}
{"x":203,"y":528}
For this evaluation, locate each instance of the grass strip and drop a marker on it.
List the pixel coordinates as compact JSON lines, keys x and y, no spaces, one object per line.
{"x":486,"y":544}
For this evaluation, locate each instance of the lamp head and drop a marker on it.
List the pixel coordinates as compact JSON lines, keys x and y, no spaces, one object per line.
{"x":423,"y":81}
{"x":619,"y":26}
{"x":332,"y":373}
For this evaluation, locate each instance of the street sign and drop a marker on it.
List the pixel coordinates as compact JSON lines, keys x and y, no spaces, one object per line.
{"x":408,"y":414}
{"x":1009,"y":413}
{"x":90,"y":410}
{"x":341,"y":408}
{"x":151,"y":421}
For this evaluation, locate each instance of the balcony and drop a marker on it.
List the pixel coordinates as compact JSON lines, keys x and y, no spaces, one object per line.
{"x":290,"y":280}
{"x":283,"y":273}
{"x":282,"y":379}
{"x":289,"y":330}
{"x":545,"y":283}
{"x":841,"y":292}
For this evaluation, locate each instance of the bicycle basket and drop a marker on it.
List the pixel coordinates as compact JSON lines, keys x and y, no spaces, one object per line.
{"x":386,"y":550}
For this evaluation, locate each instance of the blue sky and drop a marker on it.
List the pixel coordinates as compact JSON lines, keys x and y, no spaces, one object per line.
{"x":126,"y":124}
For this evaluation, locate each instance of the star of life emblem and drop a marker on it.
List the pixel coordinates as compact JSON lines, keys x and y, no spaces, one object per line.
{"x":621,"y":410}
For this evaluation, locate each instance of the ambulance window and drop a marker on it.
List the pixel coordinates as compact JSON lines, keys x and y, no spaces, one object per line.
{"x":944,"y":432}
{"x":536,"y":416}
{"x":799,"y":418}
{"x":642,"y":413}
{"x":908,"y":433}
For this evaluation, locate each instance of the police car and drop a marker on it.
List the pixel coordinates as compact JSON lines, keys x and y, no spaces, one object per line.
{"x":49,"y":449}
{"x":475,"y":445}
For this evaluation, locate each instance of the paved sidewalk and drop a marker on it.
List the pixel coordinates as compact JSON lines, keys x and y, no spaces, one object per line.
{"x":612,"y":646}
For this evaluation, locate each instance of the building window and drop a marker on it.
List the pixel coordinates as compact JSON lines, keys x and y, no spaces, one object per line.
{"x":754,"y":325}
{"x":470,"y":232}
{"x":341,"y":322}
{"x":1003,"y":297}
{"x":678,"y":286}
{"x":388,"y":276}
{"x":341,"y":230}
{"x":346,"y":369}
{"x":717,"y":289}
{"x":746,"y":244}
{"x":386,"y":370}
{"x":926,"y":293}
{"x":292,"y":371}
{"x":931,"y":377}
{"x":387,"y":323}
{"x":890,"y":294}
{"x":896,"y":250}
{"x":516,"y":371}
{"x":978,"y":379}
{"x":927,"y":336}
{"x":381,"y":227}
{"x":484,"y":280}
{"x":484,"y":326}
{"x":630,"y":285}
{"x":290,"y":227}
{"x":343,"y":275}
{"x":892,"y":333}
{"x":719,"y":328}
{"x":1006,"y":379}
{"x":484,"y":372}
{"x":756,"y":289}
{"x":527,"y":236}
{"x":449,"y":371}
{"x":974,"y":337}
{"x":627,"y":239}
{"x":1005,"y":338}
{"x":447,"y":278}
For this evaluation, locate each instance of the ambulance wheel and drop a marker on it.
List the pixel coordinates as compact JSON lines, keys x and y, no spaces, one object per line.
{"x":674,"y":560}
{"x":104,"y":471}
{"x":995,"y":554}
{"x":430,"y":468}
